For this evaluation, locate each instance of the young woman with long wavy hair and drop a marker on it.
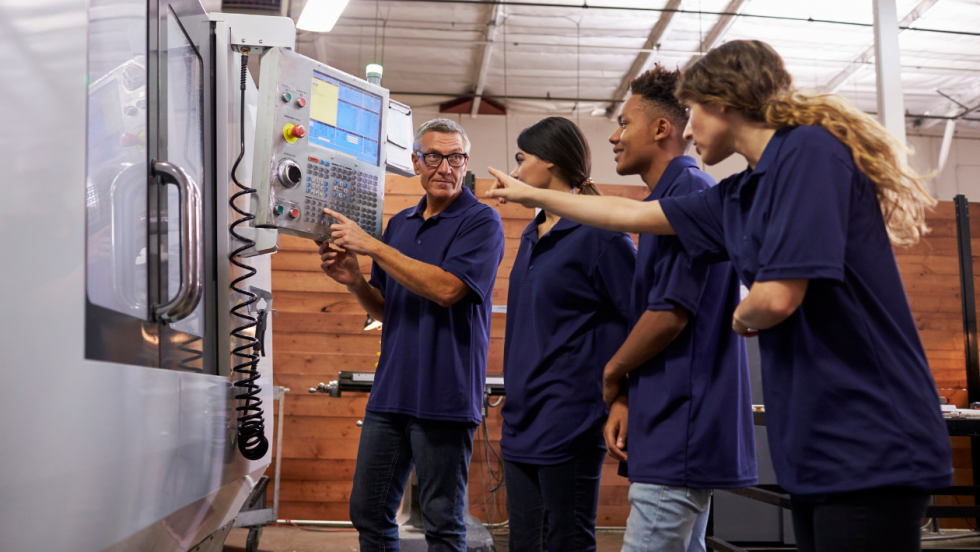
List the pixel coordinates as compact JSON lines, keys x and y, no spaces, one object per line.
{"x":853,"y":417}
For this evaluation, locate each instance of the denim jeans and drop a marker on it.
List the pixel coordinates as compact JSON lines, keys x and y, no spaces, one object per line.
{"x":553,"y":508}
{"x":666,"y":519}
{"x":390,"y":444}
{"x":873,"y":520}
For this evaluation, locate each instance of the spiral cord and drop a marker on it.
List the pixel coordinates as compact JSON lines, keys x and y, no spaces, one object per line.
{"x":251,"y":421}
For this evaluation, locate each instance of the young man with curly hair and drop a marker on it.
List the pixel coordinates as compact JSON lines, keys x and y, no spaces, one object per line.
{"x":678,"y":388}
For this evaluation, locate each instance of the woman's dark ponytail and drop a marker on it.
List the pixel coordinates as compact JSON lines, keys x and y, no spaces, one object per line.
{"x":588,"y":188}
{"x":559,"y":141}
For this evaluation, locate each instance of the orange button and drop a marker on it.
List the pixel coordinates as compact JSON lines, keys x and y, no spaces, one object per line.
{"x":298,"y":131}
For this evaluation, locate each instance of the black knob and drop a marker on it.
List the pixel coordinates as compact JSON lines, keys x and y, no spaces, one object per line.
{"x":289,"y":173}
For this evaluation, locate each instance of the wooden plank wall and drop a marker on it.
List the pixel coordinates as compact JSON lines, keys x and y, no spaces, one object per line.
{"x":930,"y":272}
{"x":319,"y":332}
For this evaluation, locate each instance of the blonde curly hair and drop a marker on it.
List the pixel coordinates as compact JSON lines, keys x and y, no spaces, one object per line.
{"x":749,"y":76}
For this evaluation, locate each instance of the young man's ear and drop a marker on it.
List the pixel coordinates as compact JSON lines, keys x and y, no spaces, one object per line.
{"x":662,"y":128}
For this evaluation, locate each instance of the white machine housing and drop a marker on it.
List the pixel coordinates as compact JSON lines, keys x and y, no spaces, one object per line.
{"x":122,"y":424}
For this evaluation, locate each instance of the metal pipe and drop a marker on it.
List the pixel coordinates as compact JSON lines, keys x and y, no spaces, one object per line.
{"x":586,"y":6}
{"x":281,"y":391}
{"x":607,"y":100}
{"x":317,"y":523}
{"x":642,"y":50}
{"x":503,"y":97}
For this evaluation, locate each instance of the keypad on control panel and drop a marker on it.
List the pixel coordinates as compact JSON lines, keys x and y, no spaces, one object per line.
{"x":348,"y":191}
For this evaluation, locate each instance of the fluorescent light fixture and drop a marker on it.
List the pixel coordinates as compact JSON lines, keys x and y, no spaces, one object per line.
{"x":320,"y":15}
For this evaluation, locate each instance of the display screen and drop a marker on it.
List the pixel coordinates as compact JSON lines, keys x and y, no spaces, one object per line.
{"x":345,"y":119}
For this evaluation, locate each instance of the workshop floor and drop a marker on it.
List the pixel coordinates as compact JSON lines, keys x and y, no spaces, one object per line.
{"x":292,"y":539}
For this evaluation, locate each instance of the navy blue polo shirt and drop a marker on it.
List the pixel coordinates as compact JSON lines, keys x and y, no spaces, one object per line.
{"x":690,"y":408}
{"x":433,"y":362}
{"x":567,"y":310}
{"x":850,"y":401}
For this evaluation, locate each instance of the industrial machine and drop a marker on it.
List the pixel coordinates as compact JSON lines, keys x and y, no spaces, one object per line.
{"x":319,"y":145}
{"x":136,"y":344}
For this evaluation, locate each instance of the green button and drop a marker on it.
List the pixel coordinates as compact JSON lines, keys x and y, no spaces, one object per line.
{"x":287,"y":97}
{"x":280,"y":209}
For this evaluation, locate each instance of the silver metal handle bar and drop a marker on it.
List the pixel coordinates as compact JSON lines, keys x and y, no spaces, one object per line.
{"x":189,"y":293}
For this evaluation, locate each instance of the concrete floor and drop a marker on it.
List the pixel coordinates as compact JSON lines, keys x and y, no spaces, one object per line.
{"x":292,"y":539}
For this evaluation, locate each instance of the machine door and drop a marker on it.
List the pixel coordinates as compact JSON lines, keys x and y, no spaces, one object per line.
{"x":182,"y":167}
{"x":149,"y":186}
{"x":118,"y":326}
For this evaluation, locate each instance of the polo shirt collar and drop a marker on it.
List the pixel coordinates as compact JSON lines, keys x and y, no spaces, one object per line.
{"x":463,"y":201}
{"x":673,"y":170}
{"x":563,"y":225}
{"x":769,"y":155}
{"x":772,"y":151}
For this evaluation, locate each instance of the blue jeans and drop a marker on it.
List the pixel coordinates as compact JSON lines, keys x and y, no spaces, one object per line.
{"x":553,"y":508}
{"x":390,"y":444}
{"x":666,"y":519}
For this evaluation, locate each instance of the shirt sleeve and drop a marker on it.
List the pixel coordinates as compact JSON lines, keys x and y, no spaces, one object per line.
{"x":679,"y":280}
{"x":379,"y":278}
{"x":805,"y":236}
{"x":613,"y":274}
{"x":697,"y":220}
{"x":475,"y":254}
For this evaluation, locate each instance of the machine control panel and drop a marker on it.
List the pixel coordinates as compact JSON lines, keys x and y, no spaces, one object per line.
{"x":320,"y":142}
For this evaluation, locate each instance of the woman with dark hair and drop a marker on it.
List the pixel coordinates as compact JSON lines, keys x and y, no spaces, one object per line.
{"x":853,"y":417}
{"x":567,"y":309}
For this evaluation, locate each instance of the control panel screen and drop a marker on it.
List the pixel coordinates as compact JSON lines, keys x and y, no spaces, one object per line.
{"x":345,"y":119}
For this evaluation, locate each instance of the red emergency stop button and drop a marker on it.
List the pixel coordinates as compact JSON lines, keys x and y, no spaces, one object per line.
{"x":292,"y":133}
{"x":301,"y":102}
{"x":293,"y":213}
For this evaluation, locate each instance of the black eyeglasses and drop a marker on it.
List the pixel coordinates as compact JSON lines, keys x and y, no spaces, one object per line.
{"x":434,"y":160}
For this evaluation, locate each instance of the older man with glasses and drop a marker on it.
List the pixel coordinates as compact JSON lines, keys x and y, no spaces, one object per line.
{"x":431,"y":285}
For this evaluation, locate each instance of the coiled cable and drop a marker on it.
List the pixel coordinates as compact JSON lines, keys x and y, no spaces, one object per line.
{"x":251,"y":423}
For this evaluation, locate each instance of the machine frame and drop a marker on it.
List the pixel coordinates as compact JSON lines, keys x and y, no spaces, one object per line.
{"x":104,"y":453}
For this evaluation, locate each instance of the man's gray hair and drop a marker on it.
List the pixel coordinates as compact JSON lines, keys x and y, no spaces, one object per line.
{"x":447,"y":126}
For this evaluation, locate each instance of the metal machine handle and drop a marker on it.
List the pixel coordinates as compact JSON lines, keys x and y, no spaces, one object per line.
{"x":191,"y":235}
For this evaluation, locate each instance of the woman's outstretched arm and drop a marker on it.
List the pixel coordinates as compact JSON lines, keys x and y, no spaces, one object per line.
{"x":612,"y":213}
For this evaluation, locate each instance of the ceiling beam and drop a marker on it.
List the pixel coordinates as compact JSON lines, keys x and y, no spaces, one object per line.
{"x":834,"y":84}
{"x":956,"y":106}
{"x":888,"y":69}
{"x":645,"y":58}
{"x":496,"y":16}
{"x":718,"y":31}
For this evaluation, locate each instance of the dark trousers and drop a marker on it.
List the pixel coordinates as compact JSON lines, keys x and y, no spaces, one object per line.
{"x":440,"y":451}
{"x":875,"y":520}
{"x":553,"y":508}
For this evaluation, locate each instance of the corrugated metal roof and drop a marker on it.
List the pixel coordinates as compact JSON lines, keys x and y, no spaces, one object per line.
{"x":557,"y":49}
